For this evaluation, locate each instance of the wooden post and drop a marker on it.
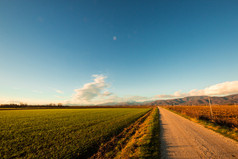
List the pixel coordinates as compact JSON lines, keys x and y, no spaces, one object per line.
{"x":209,"y":100}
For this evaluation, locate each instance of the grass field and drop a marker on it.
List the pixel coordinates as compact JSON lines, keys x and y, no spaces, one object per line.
{"x":139,"y":140}
{"x":61,"y":133}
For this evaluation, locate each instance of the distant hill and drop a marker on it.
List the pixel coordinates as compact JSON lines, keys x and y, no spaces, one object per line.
{"x":191,"y":100}
{"x":120,"y":103}
{"x":198,"y":100}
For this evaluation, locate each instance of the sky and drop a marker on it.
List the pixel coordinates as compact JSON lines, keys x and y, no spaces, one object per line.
{"x":98,"y":51}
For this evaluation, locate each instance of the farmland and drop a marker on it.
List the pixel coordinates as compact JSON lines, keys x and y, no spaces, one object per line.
{"x":223,"y":119}
{"x":61,"y":133}
{"x":222,"y":115}
{"x":140,"y":140}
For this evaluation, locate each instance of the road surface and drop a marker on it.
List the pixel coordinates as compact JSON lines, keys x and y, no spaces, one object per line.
{"x":182,"y":138}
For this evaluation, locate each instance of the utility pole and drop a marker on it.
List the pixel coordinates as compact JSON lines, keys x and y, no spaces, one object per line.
{"x":209,"y":100}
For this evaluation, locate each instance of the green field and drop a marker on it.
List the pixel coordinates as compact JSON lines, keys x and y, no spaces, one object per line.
{"x":61,"y":133}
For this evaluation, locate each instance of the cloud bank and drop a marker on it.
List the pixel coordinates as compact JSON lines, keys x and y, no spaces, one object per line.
{"x":59,"y":91}
{"x":225,"y":88}
{"x":96,"y":92}
{"x":92,"y":91}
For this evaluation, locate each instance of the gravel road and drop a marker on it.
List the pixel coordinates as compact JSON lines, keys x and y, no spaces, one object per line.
{"x":182,"y":138}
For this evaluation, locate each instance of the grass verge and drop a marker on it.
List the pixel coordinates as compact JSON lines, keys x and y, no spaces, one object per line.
{"x":140,"y":140}
{"x":223,"y":130}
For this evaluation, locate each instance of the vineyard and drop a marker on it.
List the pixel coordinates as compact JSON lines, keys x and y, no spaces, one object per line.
{"x":221,"y":115}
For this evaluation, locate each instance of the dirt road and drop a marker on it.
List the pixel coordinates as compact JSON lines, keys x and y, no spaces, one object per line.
{"x":181,"y":138}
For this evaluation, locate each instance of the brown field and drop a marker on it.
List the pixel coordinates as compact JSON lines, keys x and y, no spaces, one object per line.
{"x":222,"y":115}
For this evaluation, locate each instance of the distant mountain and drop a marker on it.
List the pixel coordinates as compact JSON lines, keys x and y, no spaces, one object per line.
{"x":198,"y":100}
{"x":120,"y":103}
{"x":191,"y":100}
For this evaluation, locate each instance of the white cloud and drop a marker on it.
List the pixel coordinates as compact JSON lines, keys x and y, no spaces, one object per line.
{"x":225,"y":88}
{"x":95,"y":93}
{"x":37,"y":91}
{"x":59,"y":91}
{"x":92,"y":91}
{"x":60,"y":97}
{"x":117,"y":99}
{"x":114,"y":38}
{"x":29,"y":101}
{"x":106,"y":93}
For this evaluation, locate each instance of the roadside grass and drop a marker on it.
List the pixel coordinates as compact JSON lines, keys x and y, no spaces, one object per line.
{"x":140,"y":140}
{"x":229,"y":132}
{"x":145,"y":143}
{"x":61,"y":133}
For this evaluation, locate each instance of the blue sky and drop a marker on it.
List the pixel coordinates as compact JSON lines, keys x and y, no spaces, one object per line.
{"x":50,"y":49}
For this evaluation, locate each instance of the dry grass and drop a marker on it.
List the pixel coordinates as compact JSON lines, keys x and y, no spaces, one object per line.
{"x":145,"y":142}
{"x":140,"y":140}
{"x":224,"y":120}
{"x":222,"y":115}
